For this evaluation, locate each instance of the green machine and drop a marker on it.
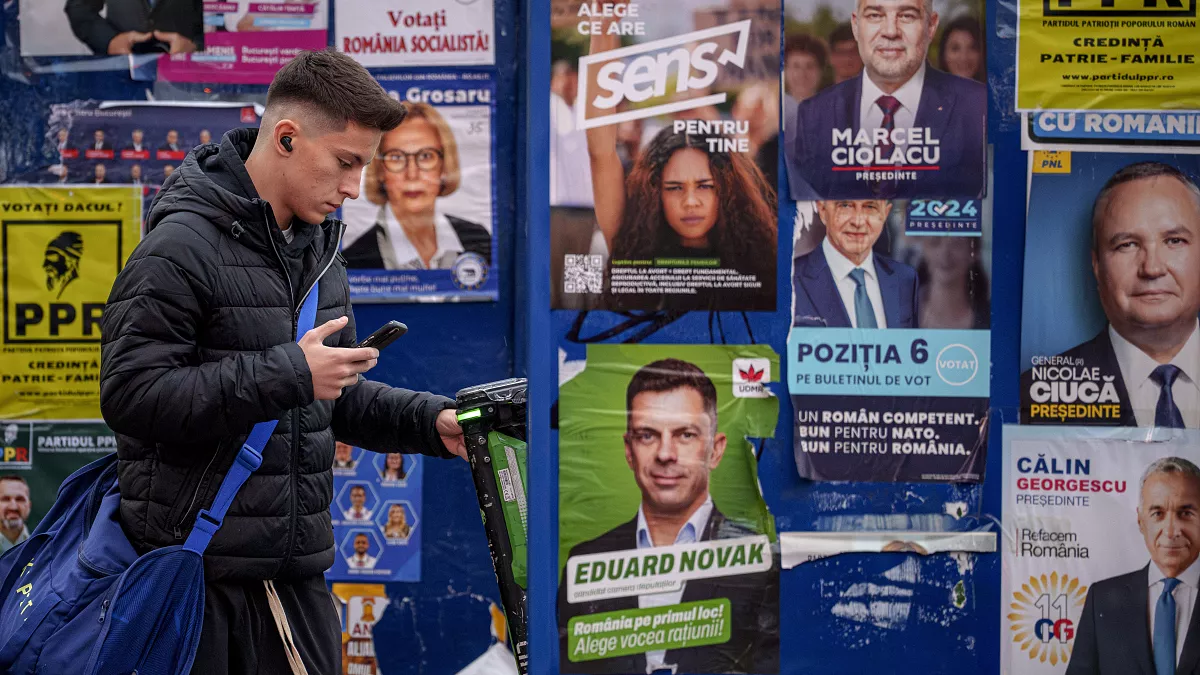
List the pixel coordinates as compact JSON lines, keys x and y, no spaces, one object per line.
{"x":492,"y":417}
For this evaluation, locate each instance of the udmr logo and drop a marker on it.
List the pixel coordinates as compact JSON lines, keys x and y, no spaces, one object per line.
{"x":750,"y":377}
{"x":57,"y":276}
{"x":1119,"y":8}
{"x":1043,"y":615}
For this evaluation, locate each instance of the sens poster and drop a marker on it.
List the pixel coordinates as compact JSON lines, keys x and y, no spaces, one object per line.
{"x":663,"y":155}
{"x":61,"y":250}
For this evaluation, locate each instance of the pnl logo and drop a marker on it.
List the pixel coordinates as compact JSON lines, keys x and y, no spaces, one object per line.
{"x":1119,"y":8}
{"x":957,"y":364}
{"x":17,"y":441}
{"x":750,"y":377}
{"x":1043,"y":616}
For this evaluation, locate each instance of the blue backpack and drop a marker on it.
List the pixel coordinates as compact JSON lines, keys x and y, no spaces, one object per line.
{"x":75,"y":598}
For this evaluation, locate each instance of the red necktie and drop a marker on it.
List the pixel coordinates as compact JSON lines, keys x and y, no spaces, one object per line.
{"x":890,"y":105}
{"x":358,"y":513}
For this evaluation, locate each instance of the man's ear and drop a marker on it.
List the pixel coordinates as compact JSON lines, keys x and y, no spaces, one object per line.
{"x":719,"y":442}
{"x":285,"y":127}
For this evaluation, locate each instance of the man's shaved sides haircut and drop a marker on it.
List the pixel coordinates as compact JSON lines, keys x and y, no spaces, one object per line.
{"x":332,"y":89}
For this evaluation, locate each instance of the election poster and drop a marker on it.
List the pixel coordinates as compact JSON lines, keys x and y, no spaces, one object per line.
{"x":61,"y":250}
{"x":1099,"y":527}
{"x":35,"y":458}
{"x":1058,"y":130}
{"x":889,"y":354}
{"x":417,"y":32}
{"x":376,"y":514}
{"x":667,"y":554}
{"x":248,"y":41}
{"x":88,"y":27}
{"x":885,"y":100}
{"x":134,"y":143}
{"x":360,"y":606}
{"x":1106,"y":55}
{"x":1109,"y":333}
{"x":664,"y":147}
{"x":423,"y":228}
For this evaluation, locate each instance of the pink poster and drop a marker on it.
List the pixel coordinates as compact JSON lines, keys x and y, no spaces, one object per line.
{"x":247,"y":41}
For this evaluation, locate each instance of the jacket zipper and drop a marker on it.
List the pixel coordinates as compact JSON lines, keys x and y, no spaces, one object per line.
{"x":293,"y":468}
{"x":178,"y":524}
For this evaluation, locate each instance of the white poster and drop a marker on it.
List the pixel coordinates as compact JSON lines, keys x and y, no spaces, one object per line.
{"x":417,"y":32}
{"x":1097,"y":522}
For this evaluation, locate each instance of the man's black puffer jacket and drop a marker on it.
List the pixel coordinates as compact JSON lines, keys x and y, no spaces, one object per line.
{"x":199,"y":345}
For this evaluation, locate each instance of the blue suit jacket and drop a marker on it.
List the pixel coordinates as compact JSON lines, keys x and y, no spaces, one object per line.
{"x":953,"y":108}
{"x":818,"y":302}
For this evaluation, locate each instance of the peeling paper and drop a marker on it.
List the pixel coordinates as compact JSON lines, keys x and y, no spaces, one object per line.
{"x":956,"y":510}
{"x":797,"y":548}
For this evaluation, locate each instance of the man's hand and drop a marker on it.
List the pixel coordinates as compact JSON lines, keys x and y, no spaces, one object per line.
{"x":451,"y":433}
{"x":179,"y":44}
{"x":123,"y":43}
{"x":335,"y":368}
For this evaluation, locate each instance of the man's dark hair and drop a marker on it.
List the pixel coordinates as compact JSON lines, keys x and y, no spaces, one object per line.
{"x":338,"y":87}
{"x":13,"y":476}
{"x":669,"y":375}
{"x":842,"y":33}
{"x":1136,"y":171}
{"x":357,"y":487}
{"x":808,"y":44}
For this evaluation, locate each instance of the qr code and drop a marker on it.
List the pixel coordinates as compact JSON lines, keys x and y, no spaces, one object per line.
{"x":583,"y":274}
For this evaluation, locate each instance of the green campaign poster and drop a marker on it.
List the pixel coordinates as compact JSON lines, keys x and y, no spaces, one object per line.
{"x":668,"y":555}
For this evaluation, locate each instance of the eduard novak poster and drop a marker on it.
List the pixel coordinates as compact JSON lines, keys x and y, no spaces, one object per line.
{"x":1099,"y":553}
{"x":667,"y":552}
{"x":62,"y":249}
{"x":663,"y":132}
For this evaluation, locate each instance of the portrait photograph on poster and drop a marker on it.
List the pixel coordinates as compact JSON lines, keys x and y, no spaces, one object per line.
{"x":663,"y":155}
{"x":889,"y":351}
{"x":247,"y":41}
{"x":110,"y":27}
{"x":657,"y":480}
{"x":423,"y":228}
{"x":884,"y":100}
{"x":1099,"y":573}
{"x":1109,"y":330}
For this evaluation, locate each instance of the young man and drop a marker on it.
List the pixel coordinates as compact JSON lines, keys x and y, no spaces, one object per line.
{"x":199,"y":345}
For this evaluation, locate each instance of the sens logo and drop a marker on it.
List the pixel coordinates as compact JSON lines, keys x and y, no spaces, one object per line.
{"x":1119,"y":8}
{"x":750,"y":377}
{"x":57,"y":278}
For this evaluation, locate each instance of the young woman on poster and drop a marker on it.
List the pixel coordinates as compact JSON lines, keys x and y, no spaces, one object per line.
{"x":416,"y":163}
{"x":682,"y":200}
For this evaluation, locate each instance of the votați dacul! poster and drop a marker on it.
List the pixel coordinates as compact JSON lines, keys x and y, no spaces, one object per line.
{"x":668,"y":555}
{"x":664,"y":151}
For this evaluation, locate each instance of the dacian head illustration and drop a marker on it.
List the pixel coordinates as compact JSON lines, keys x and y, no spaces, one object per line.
{"x":62,"y":261}
{"x":10,"y":434}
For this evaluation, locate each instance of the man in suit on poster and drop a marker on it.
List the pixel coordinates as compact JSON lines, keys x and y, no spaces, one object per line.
{"x":1146,"y":260}
{"x":843,"y":283}
{"x":1145,"y":621}
{"x":113,"y":27}
{"x":899,"y":93}
{"x":672,"y":445}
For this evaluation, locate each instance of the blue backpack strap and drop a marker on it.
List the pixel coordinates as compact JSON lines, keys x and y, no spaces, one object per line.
{"x":249,"y":458}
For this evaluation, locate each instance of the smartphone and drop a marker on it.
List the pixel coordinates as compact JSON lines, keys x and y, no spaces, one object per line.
{"x":151,"y":47}
{"x":385,"y":336}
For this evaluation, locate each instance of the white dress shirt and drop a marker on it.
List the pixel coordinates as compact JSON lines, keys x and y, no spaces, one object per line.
{"x":840,"y":266}
{"x":1185,"y":601}
{"x":870,"y":115}
{"x":1136,"y":367}
{"x":361,"y":561}
{"x":357,"y":514}
{"x":399,"y":254}
{"x":570,"y":169}
{"x":688,"y":534}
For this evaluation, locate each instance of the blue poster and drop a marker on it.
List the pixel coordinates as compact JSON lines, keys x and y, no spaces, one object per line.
{"x":889,"y":355}
{"x":376,"y":514}
{"x":423,"y":228}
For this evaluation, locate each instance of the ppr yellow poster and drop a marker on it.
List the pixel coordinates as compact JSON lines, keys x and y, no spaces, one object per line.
{"x":1107,"y":55}
{"x":61,"y":249}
